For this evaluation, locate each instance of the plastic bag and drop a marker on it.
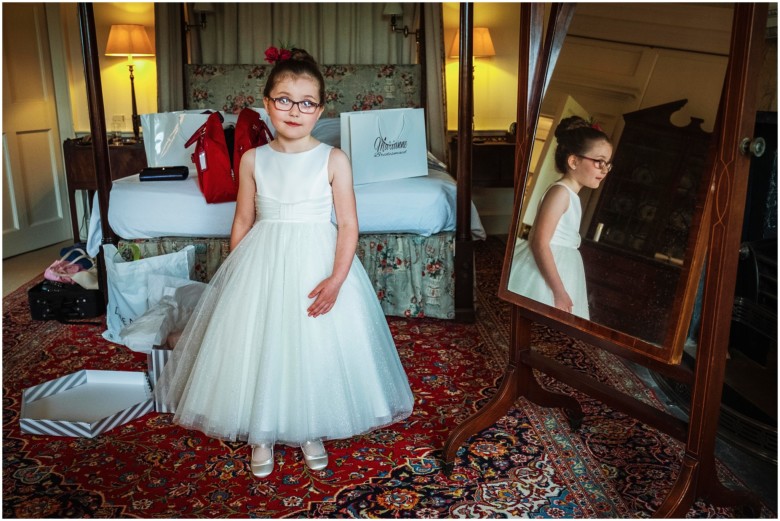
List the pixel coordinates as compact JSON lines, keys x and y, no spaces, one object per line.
{"x":128,"y":284}
{"x":167,"y":314}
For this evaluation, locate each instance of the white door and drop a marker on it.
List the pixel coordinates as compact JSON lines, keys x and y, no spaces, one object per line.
{"x":35,"y":209}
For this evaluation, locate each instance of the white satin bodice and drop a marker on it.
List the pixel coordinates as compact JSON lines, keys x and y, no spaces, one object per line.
{"x":567,"y":232}
{"x":293,"y":187}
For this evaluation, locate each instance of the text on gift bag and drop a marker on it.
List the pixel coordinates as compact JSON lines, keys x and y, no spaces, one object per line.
{"x":385,"y":144}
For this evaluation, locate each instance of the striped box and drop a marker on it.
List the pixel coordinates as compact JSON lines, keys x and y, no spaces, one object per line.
{"x":156,"y":360}
{"x":85,"y":403}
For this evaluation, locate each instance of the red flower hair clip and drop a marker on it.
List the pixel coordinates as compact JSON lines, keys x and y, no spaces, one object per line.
{"x":274,"y":55}
{"x":596,"y":126}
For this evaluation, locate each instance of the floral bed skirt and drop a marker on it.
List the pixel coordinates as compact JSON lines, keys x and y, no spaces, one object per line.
{"x":413,"y":276}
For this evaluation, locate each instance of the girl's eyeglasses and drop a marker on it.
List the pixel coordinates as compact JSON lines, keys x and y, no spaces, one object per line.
{"x":601,"y":164}
{"x":286,"y":104}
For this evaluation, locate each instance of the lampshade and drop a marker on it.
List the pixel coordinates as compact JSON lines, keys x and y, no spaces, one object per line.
{"x":203,"y":7}
{"x":393,"y":9}
{"x":483,"y":45}
{"x":128,"y":40}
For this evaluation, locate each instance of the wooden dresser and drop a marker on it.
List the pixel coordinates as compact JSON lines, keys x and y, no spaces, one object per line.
{"x":493,"y":160}
{"x":124,"y":160}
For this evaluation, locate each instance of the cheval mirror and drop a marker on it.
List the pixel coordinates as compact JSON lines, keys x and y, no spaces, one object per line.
{"x":664,"y":225}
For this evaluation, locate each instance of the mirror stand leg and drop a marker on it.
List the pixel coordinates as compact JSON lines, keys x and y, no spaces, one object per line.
{"x":715,"y":492}
{"x":497,"y":407}
{"x":544,"y":398}
{"x":700,"y":480}
{"x":529,"y":386}
{"x":518,"y":381}
{"x":500,"y":403}
{"x":683,"y":492}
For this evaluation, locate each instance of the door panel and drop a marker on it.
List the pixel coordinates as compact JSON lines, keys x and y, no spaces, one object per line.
{"x":35,"y":211}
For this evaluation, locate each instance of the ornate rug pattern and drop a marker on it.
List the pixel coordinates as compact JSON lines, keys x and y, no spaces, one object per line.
{"x":529,"y":464}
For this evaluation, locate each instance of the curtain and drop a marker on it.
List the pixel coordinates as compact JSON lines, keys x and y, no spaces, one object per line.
{"x":435,"y":91}
{"x":170,"y":67}
{"x":343,"y":33}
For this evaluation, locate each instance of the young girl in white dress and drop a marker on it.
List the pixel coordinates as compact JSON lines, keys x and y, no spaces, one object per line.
{"x":289,"y":343}
{"x":548,"y":266}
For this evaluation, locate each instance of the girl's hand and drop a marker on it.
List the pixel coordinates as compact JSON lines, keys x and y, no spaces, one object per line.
{"x":325,"y":297}
{"x":563,"y":301}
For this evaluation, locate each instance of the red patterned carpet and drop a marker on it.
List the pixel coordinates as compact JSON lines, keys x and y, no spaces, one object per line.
{"x":527,"y":465}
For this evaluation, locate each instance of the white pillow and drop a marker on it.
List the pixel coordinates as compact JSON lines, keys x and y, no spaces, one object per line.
{"x":328,"y":130}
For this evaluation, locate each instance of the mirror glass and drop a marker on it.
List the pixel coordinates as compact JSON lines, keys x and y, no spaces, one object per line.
{"x":650,"y":76}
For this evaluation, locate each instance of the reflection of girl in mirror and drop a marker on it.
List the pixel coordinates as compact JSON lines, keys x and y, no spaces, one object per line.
{"x":548,"y":266}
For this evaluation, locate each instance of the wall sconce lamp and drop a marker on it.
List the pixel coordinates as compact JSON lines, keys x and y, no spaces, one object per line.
{"x":483,"y":44}
{"x":130,"y":40}
{"x":200,"y":10}
{"x":395,"y":9}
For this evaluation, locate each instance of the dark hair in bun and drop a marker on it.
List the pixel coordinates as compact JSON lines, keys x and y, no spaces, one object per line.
{"x":575,"y":135}
{"x":300,"y":63}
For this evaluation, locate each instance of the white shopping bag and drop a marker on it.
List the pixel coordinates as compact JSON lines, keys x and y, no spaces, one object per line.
{"x":128,"y":284}
{"x":165,"y":134}
{"x":385,"y":144}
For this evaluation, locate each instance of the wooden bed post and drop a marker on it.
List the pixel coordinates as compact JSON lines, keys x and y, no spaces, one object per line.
{"x":464,"y":246}
{"x":97,"y":127}
{"x":185,"y":52}
{"x":423,"y":63}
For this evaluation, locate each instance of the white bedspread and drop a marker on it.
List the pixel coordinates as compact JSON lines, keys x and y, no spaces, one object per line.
{"x":417,"y":205}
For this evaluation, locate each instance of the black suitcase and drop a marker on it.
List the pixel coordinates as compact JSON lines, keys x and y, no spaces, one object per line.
{"x":64,"y":302}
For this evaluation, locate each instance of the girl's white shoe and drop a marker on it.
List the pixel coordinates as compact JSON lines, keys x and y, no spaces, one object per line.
{"x":315,"y":455}
{"x":262,"y":463}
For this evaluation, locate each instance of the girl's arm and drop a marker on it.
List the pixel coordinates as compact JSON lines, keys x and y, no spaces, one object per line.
{"x":325,"y":293}
{"x":244,"y":218}
{"x":550,"y":211}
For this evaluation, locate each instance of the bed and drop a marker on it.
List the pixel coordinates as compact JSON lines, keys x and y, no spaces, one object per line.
{"x":407,"y":227}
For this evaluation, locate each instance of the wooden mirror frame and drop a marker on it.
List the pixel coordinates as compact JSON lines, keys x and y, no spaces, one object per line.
{"x":719,"y":235}
{"x":670,"y":349}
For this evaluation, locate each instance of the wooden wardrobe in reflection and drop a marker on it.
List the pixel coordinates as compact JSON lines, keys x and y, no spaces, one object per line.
{"x":644,"y":214}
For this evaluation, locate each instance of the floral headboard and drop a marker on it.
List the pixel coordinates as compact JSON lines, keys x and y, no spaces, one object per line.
{"x":347,"y":87}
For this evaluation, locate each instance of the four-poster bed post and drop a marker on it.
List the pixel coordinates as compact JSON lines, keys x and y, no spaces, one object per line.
{"x":464,"y":246}
{"x":97,"y":125}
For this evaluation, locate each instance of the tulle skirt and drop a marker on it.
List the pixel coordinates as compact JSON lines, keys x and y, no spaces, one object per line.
{"x":252,"y":365}
{"x":526,"y":279}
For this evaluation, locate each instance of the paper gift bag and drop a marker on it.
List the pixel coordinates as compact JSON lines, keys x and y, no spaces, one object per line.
{"x":385,"y":144}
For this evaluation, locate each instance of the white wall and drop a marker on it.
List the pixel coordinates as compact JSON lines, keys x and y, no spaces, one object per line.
{"x":114,"y":73}
{"x":495,"y":78}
